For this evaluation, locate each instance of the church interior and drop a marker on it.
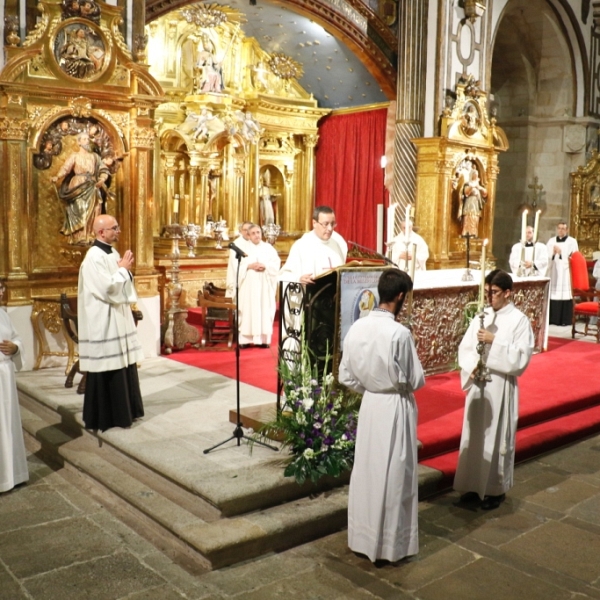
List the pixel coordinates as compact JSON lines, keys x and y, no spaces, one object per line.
{"x":185,"y":119}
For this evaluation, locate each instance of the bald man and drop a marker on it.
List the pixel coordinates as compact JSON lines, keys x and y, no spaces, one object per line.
{"x":109,"y":349}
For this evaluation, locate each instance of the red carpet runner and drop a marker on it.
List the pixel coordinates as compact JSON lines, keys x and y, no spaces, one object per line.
{"x":559,"y":398}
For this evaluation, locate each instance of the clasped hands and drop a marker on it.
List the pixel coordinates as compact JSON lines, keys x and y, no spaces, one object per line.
{"x":256,"y":266}
{"x":127,"y":260}
{"x":8,"y":348}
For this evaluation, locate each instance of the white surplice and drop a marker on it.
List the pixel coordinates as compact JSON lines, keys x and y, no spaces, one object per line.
{"x":380,"y":361}
{"x":312,"y":255}
{"x":422,"y":253}
{"x":487,"y":444}
{"x":540,"y":261}
{"x":108,"y":337}
{"x":257,"y":294}
{"x":13,"y":459}
{"x":559,"y":269}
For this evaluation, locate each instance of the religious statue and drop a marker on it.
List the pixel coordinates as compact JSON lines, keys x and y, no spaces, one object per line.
{"x":209,"y":75}
{"x":79,"y":56}
{"x":83,"y":190}
{"x":88,"y":9}
{"x":472,"y":200}
{"x":267,"y":199}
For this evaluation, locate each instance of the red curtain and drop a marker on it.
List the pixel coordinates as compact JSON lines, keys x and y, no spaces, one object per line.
{"x":349,"y":177}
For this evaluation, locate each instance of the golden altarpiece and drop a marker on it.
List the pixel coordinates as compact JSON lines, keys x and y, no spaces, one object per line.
{"x":237,"y":138}
{"x":456,"y":179}
{"x":585,"y":206}
{"x":76,"y":137}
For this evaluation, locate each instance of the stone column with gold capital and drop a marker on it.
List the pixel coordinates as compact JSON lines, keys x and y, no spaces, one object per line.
{"x":310,"y":142}
{"x":410,"y":103}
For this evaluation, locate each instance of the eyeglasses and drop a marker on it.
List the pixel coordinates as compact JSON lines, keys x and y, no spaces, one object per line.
{"x":493,"y":292}
{"x":327,"y":225}
{"x":115,"y":228}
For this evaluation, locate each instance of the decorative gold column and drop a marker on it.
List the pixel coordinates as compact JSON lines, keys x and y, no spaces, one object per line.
{"x":170,"y":159}
{"x":193,"y":207}
{"x":310,"y":142}
{"x":410,"y":102}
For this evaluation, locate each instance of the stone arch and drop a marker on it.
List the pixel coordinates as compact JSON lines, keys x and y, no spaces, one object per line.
{"x":536,"y":93}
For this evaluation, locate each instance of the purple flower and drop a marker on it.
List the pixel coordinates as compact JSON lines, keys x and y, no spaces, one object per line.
{"x":309,"y":442}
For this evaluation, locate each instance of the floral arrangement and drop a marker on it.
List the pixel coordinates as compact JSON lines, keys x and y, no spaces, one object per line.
{"x":317,"y":420}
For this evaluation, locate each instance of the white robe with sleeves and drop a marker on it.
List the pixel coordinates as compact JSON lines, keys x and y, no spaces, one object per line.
{"x":540,"y":259}
{"x":487,"y":444}
{"x":13,"y":459}
{"x":380,"y":361}
{"x":257,"y":300}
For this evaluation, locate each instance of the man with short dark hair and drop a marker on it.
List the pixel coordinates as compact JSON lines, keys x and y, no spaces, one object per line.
{"x":487,"y":445}
{"x":380,"y":361}
{"x":317,"y":251}
{"x":560,"y":249}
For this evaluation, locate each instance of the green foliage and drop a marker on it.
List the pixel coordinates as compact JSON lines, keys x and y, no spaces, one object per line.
{"x":317,"y":420}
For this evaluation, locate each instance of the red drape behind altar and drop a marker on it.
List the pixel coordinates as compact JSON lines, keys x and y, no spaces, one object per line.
{"x":349,"y":177}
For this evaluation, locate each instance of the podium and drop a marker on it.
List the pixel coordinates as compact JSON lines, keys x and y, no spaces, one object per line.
{"x":325,"y":310}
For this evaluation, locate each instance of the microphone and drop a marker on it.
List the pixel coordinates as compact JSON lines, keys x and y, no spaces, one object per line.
{"x":239,"y":253}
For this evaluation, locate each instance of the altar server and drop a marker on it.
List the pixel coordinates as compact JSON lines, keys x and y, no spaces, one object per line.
{"x":243,"y":243}
{"x":258,"y":282}
{"x":560,"y":249}
{"x":533,"y":255}
{"x":317,"y":251}
{"x":400,"y":247}
{"x":487,"y":444}
{"x":109,"y":349}
{"x":13,"y":460}
{"x":381,"y":362}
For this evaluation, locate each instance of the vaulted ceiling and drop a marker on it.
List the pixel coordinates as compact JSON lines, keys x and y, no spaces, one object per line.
{"x":348,"y":59}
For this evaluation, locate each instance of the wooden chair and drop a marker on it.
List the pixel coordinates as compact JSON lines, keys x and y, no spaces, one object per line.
{"x":68,"y":313}
{"x":586,"y":300}
{"x":218,"y":316}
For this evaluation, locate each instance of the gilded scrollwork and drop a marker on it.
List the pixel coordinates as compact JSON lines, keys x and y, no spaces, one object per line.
{"x":143,"y":137}
{"x":38,"y":67}
{"x":118,"y":37}
{"x":120,"y":121}
{"x":13,"y":128}
{"x":120,"y":76}
{"x":40,"y":28}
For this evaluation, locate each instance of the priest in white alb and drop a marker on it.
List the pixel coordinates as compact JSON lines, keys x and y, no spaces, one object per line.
{"x":258,"y":283}
{"x":317,"y":251}
{"x":13,"y":459}
{"x":380,"y":361}
{"x":243,"y":243}
{"x":530,"y":258}
{"x":487,"y":445}
{"x":560,"y":248}
{"x":402,"y":253}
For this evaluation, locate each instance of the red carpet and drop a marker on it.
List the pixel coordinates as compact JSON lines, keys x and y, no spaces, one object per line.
{"x":559,"y":397}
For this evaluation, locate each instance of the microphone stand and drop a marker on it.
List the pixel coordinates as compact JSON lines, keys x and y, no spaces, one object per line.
{"x":238,"y":432}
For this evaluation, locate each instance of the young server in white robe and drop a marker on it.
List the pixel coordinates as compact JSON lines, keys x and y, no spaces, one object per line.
{"x":560,"y":249}
{"x":532,"y":258}
{"x":13,"y":459}
{"x":109,"y":349}
{"x":317,"y":251}
{"x":380,"y":361}
{"x":399,"y":249}
{"x":258,"y":282}
{"x":487,"y":445}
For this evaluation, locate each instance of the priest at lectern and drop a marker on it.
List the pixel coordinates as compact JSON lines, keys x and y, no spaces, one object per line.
{"x":317,"y":251}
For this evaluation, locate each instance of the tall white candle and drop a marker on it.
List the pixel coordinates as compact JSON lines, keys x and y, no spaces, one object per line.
{"x":536,"y":226}
{"x":413,"y":262}
{"x":391,"y":215}
{"x":524,"y":226}
{"x":176,"y":204}
{"x":406,"y":221}
{"x":482,"y":282}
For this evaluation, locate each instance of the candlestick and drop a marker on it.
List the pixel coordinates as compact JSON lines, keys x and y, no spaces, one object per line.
{"x":482,"y":282}
{"x":524,"y":226}
{"x":536,"y":226}
{"x":176,"y":204}
{"x":413,"y":262}
{"x":406,"y":221}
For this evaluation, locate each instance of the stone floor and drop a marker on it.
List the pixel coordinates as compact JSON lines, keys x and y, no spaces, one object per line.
{"x":542,"y":543}
{"x":56,"y":543}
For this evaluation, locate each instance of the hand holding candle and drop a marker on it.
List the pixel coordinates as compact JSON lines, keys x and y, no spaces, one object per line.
{"x":524,"y":227}
{"x":482,"y":283}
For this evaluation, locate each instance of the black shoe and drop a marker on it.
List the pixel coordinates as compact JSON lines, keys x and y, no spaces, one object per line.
{"x":469,"y":497}
{"x":244,"y":346}
{"x":264,"y":346}
{"x":492,"y":502}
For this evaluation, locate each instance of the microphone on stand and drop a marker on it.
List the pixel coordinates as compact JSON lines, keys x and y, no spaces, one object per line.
{"x":378,"y":254}
{"x":239,"y":253}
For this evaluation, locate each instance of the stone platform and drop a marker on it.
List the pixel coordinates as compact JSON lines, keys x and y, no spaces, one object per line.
{"x":205,"y":510}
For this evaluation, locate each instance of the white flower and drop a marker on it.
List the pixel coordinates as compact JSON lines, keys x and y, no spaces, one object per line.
{"x":293,"y":394}
{"x":301,"y":418}
{"x":314,"y":382}
{"x":309,"y":453}
{"x":317,"y":425}
{"x":328,"y":380}
{"x":307,"y":403}
{"x":344,"y":437}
